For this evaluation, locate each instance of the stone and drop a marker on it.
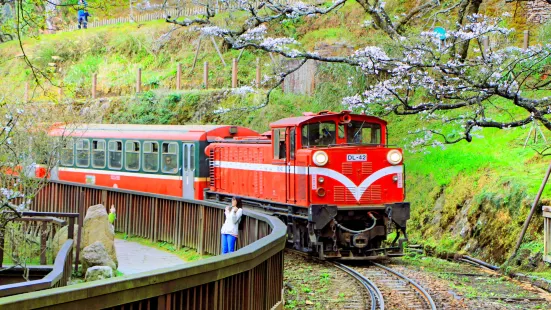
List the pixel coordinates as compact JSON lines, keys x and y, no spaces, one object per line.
{"x":96,"y":255}
{"x":98,"y":273}
{"x":98,"y":228}
{"x":61,"y":236}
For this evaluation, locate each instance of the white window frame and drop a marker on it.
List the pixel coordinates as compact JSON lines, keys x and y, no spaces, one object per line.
{"x":158,"y":155}
{"x":134,"y":152}
{"x":177,"y":156}
{"x":109,"y":154}
{"x":104,"y":153}
{"x":83,"y":149}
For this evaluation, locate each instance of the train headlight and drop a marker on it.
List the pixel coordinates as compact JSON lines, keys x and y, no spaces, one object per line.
{"x":394,"y":157}
{"x":321,"y":179}
{"x":320,"y":158}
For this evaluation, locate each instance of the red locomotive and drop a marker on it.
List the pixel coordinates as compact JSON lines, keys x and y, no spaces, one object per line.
{"x":330,"y":176}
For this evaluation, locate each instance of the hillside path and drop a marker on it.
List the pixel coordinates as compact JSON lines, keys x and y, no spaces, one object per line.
{"x":135,"y":258}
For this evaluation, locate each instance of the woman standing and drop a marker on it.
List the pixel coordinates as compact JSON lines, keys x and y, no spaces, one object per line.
{"x":230,"y":228}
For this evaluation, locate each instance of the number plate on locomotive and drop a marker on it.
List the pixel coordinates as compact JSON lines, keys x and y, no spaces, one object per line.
{"x":356,"y":157}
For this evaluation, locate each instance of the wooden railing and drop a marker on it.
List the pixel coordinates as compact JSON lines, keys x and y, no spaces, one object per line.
{"x":58,"y":277}
{"x":250,"y":278}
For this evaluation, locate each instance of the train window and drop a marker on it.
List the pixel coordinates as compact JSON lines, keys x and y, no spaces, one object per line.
{"x":83,"y":153}
{"x":98,"y":153}
{"x":68,"y":153}
{"x":280,"y":151}
{"x":151,"y":156}
{"x":115,"y":154}
{"x":192,"y":157}
{"x":185,"y":157}
{"x":318,"y":134}
{"x":132,"y":154}
{"x":292,"y":143}
{"x":170,"y":157}
{"x":363,"y":133}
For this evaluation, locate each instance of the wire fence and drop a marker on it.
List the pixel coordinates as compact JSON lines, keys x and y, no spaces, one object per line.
{"x":143,"y":14}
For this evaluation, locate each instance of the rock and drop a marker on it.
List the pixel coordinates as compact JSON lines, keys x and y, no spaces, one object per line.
{"x":96,"y":255}
{"x":98,"y":228}
{"x":61,"y":236}
{"x":98,"y":273}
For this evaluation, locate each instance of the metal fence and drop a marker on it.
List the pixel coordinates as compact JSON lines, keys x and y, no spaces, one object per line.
{"x":250,"y":278}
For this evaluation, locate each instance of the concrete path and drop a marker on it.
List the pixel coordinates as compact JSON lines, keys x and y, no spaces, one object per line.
{"x":135,"y":258}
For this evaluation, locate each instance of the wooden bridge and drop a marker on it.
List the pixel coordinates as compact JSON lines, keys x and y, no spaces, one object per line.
{"x":250,"y":278}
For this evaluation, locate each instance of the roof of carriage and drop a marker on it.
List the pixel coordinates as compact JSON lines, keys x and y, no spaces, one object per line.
{"x":166,"y":132}
{"x":323,"y":115}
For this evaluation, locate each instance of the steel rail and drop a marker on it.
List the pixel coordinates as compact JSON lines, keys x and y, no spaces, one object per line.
{"x":424,"y":294}
{"x":374,"y":292}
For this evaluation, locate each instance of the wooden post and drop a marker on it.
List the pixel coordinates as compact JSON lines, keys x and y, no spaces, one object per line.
{"x":234,"y":73}
{"x":546,"y":233}
{"x":26,"y":100}
{"x":81,"y":214}
{"x":2,"y":236}
{"x":43,"y":240}
{"x":526,"y":39}
{"x":258,"y":72}
{"x":206,"y":75}
{"x":94,"y":85}
{"x":201,"y":230}
{"x":60,"y":93}
{"x":139,"y":81}
{"x":179,"y":77}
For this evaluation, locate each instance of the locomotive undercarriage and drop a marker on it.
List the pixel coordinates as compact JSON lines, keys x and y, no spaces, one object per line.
{"x":336,"y":233}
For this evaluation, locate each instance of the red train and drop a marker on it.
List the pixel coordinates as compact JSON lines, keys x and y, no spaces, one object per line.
{"x":330,"y":176}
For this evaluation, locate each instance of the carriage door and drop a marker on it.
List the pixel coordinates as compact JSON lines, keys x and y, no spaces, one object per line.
{"x":188,"y":170}
{"x":290,"y":171}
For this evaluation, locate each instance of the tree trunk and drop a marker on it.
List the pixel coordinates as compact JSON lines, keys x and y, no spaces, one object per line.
{"x":474,"y":7}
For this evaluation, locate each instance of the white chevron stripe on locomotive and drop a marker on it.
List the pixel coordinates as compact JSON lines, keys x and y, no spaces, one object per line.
{"x":357,"y":191}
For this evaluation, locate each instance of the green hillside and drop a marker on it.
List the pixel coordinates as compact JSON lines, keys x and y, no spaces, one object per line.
{"x":469,"y":197}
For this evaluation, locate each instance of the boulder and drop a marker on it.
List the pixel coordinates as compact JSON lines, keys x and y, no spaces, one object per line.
{"x":98,"y":228}
{"x":61,"y":236}
{"x":96,"y":255}
{"x":98,"y":273}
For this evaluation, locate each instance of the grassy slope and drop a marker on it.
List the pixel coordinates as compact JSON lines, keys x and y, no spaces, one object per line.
{"x":471,"y":196}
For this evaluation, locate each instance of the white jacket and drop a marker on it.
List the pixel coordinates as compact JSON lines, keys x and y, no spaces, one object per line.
{"x":232,"y":221}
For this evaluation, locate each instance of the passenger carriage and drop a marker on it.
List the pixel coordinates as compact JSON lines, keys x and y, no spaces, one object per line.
{"x":166,"y":160}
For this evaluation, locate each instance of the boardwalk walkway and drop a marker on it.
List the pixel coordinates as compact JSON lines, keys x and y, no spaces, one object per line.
{"x":135,"y":258}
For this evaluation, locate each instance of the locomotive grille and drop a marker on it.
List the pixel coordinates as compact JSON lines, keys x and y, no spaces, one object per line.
{"x":347,"y":168}
{"x":344,"y":194}
{"x":367,"y":168}
{"x":339,"y":193}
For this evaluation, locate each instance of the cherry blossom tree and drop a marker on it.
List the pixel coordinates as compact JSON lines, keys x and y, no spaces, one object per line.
{"x":456,"y":87}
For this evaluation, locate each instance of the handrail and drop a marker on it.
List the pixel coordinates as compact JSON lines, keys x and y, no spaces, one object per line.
{"x":50,"y":280}
{"x":257,"y":266}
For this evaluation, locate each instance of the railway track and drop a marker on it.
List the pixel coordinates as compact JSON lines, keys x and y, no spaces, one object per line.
{"x":394,"y":284}
{"x":397,"y":289}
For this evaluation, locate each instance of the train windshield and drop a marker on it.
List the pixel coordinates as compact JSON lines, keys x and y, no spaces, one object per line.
{"x":318,"y":134}
{"x":361,"y":132}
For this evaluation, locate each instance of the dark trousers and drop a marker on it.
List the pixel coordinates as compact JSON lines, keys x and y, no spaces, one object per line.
{"x":82,"y":22}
